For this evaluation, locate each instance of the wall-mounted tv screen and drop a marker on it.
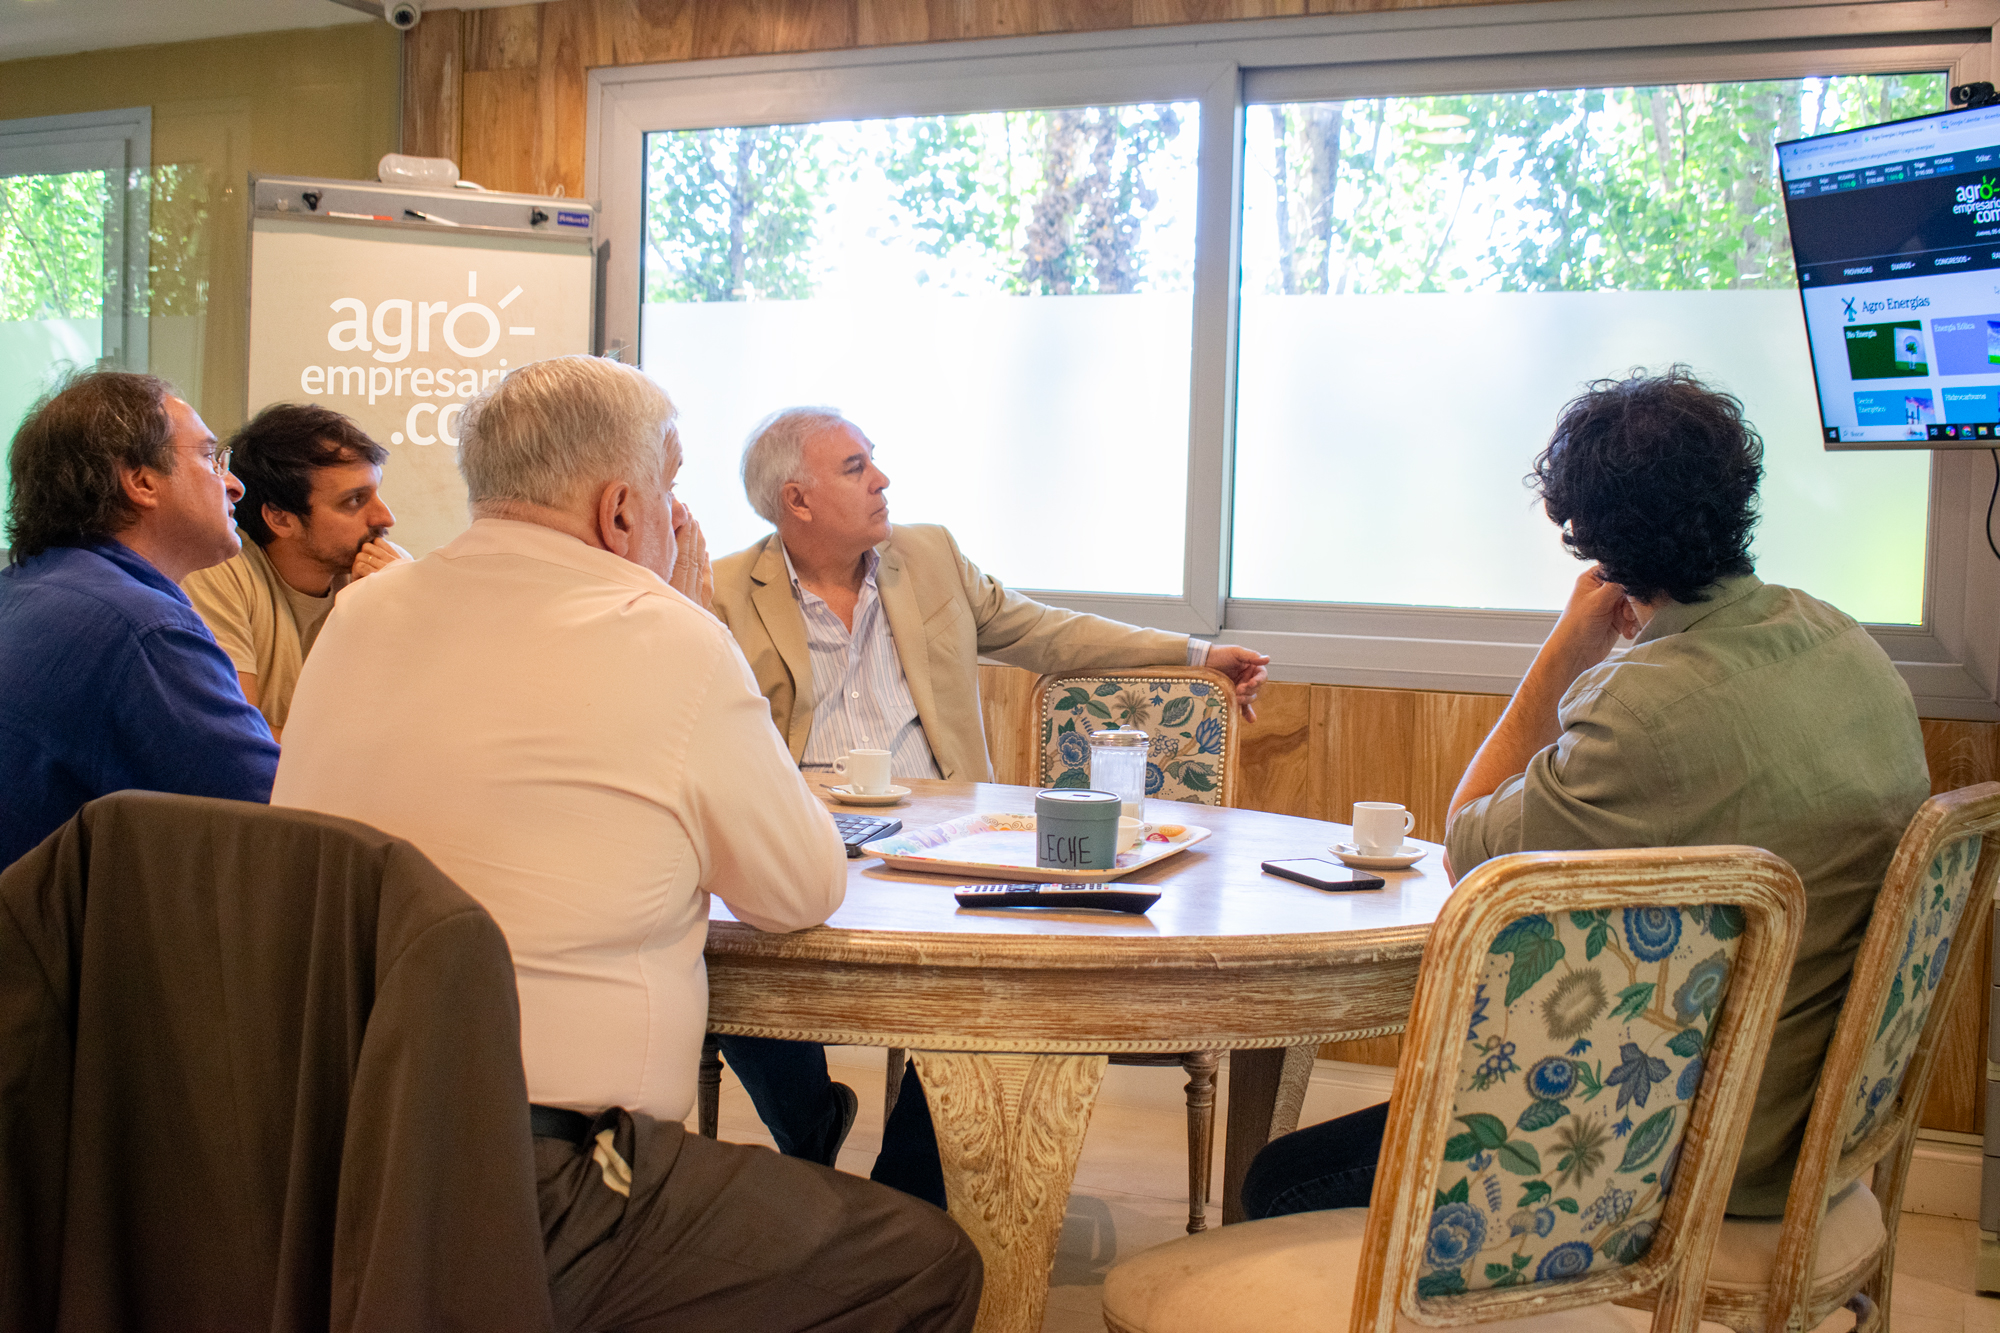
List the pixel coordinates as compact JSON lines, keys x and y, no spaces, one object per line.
{"x":1896,"y":232}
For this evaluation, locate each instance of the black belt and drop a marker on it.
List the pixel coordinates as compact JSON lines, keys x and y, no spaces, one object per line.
{"x":553,"y":1122}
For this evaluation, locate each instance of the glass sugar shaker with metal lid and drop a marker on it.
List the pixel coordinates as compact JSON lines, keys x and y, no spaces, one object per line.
{"x":1118,"y":764}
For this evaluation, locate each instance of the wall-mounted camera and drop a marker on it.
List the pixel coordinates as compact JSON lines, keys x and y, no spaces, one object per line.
{"x":402,"y":15}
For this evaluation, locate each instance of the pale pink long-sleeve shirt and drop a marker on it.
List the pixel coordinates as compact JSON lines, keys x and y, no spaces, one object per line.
{"x":585,"y":752}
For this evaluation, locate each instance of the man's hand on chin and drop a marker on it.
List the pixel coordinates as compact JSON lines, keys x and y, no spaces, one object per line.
{"x":1243,"y":667}
{"x":694,"y":575}
{"x":377,"y":555}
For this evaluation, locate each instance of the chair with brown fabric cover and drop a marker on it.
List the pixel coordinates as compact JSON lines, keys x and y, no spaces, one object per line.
{"x":259,"y":1069}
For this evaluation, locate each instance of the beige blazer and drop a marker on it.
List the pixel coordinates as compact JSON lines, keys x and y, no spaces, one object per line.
{"x":943,"y":616}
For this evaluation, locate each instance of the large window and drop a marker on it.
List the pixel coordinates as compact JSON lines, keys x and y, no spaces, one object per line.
{"x":1426,"y":280}
{"x":1254,"y":329}
{"x":72,"y":253}
{"x":1001,"y":301}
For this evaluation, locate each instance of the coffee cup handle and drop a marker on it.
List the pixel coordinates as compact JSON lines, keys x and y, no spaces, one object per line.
{"x":1409,"y":820}
{"x":840,"y":766}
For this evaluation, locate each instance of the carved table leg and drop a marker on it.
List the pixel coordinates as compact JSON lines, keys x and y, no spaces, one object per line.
{"x":1010,"y":1129}
{"x":1200,"y":1067}
{"x":1266,"y":1089}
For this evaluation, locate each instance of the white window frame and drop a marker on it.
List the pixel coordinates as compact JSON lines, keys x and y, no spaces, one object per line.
{"x":1951,"y":661}
{"x":121,"y":143}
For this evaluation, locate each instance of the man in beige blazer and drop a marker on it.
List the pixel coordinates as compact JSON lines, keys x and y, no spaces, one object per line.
{"x":864,"y":634}
{"x":812,"y":475}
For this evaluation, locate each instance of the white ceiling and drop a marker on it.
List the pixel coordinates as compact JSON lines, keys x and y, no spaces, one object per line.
{"x":56,"y":27}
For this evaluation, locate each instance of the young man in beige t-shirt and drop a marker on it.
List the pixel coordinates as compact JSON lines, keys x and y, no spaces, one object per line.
{"x":312,"y":520}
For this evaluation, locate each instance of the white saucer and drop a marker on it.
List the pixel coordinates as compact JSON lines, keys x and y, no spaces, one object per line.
{"x":846,"y":795}
{"x":1402,"y":859}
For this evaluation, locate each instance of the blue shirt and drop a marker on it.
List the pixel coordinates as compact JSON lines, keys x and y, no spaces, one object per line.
{"x":108,"y":681}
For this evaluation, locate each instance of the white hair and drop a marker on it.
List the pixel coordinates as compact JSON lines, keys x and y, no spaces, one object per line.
{"x":553,"y":431}
{"x":774,"y":454}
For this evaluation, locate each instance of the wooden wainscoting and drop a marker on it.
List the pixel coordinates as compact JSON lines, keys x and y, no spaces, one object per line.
{"x":1314,"y":750}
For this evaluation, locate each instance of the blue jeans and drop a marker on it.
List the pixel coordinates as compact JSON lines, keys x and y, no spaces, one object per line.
{"x":788,"y":1084}
{"x":1328,"y":1165}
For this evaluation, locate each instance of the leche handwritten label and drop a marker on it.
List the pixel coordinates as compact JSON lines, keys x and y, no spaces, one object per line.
{"x":1071,"y":851}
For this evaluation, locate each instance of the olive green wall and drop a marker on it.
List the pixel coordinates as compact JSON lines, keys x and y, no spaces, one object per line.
{"x":312,"y":102}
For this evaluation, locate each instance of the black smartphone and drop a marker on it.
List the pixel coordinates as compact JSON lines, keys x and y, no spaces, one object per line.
{"x":1324,"y":874}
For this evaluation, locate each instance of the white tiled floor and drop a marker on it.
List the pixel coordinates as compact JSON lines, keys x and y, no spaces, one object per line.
{"x":1131,"y":1193}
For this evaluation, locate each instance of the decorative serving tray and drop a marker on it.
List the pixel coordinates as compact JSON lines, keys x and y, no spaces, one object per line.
{"x":1003,"y":847}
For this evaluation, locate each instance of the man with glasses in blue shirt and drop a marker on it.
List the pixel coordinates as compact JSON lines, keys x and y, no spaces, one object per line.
{"x":108,"y":678}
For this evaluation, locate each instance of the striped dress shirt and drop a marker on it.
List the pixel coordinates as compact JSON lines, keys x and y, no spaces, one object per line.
{"x":860,"y":698}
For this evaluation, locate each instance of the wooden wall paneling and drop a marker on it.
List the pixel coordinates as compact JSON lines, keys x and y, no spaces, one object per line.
{"x":1275,"y":756}
{"x":502,"y":103}
{"x":1146,"y":13}
{"x":569,"y":49}
{"x":1450,"y":728}
{"x":1007,"y":707}
{"x":1369,"y":738}
{"x":762,"y":27}
{"x":645,"y":32}
{"x":891,"y":22}
{"x":509,"y":38}
{"x":958,"y":20}
{"x":433,"y":75}
{"x":1961,"y":754}
{"x":1082,"y":15}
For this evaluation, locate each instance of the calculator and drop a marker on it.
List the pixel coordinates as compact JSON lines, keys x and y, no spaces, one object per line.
{"x":857,"y":829}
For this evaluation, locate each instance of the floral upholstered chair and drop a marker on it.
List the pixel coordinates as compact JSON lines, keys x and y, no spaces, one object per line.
{"x":1836,"y":1244}
{"x":1576,"y":1080}
{"x":1190,"y":713}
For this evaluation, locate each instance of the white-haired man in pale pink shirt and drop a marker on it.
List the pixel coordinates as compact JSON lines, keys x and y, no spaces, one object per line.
{"x":584,"y":750}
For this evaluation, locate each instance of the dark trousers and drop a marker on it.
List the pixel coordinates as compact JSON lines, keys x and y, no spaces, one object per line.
{"x":787,"y":1082}
{"x":1328,"y":1165}
{"x":724,"y":1236}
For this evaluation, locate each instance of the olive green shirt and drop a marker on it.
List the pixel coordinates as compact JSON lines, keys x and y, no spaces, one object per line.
{"x":1760,"y":716}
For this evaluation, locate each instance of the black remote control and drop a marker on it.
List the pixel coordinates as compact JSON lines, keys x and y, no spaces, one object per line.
{"x":1070,"y":896}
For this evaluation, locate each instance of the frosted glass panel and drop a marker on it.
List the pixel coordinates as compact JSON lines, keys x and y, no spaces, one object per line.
{"x":1426,"y":281}
{"x":1002,"y":302}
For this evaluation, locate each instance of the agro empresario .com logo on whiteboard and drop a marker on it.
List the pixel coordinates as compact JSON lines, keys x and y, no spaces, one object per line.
{"x":397,"y":329}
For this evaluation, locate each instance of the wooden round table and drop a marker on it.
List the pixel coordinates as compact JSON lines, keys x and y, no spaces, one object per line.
{"x":1009,"y":1015}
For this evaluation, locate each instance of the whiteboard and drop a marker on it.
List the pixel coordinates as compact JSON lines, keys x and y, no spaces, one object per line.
{"x":398,"y":328}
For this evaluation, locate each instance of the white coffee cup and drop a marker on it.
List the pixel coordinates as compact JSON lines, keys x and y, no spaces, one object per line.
{"x":1130,"y":830}
{"x":1379,"y":827}
{"x":866,"y":771}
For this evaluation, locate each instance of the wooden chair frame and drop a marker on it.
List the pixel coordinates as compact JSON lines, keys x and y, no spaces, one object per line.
{"x":1794,"y":1300}
{"x":1226,"y":788}
{"x":1502,"y":891}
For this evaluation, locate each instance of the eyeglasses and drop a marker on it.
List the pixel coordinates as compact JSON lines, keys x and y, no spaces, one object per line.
{"x":216,"y":458}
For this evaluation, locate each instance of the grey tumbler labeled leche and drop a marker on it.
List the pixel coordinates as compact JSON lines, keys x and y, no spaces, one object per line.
{"x":1076,"y":830}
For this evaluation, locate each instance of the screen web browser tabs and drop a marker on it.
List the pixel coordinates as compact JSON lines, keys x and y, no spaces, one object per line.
{"x":1896,"y":233}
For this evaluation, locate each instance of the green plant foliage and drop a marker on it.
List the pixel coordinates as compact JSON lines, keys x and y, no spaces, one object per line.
{"x":1671,"y":188}
{"x":1055,"y":202}
{"x":52,"y":262}
{"x":730,"y":212}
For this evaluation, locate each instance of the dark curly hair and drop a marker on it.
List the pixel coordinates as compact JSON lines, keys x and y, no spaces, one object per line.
{"x":1655,"y":478}
{"x":275,"y":454}
{"x":65,"y":463}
